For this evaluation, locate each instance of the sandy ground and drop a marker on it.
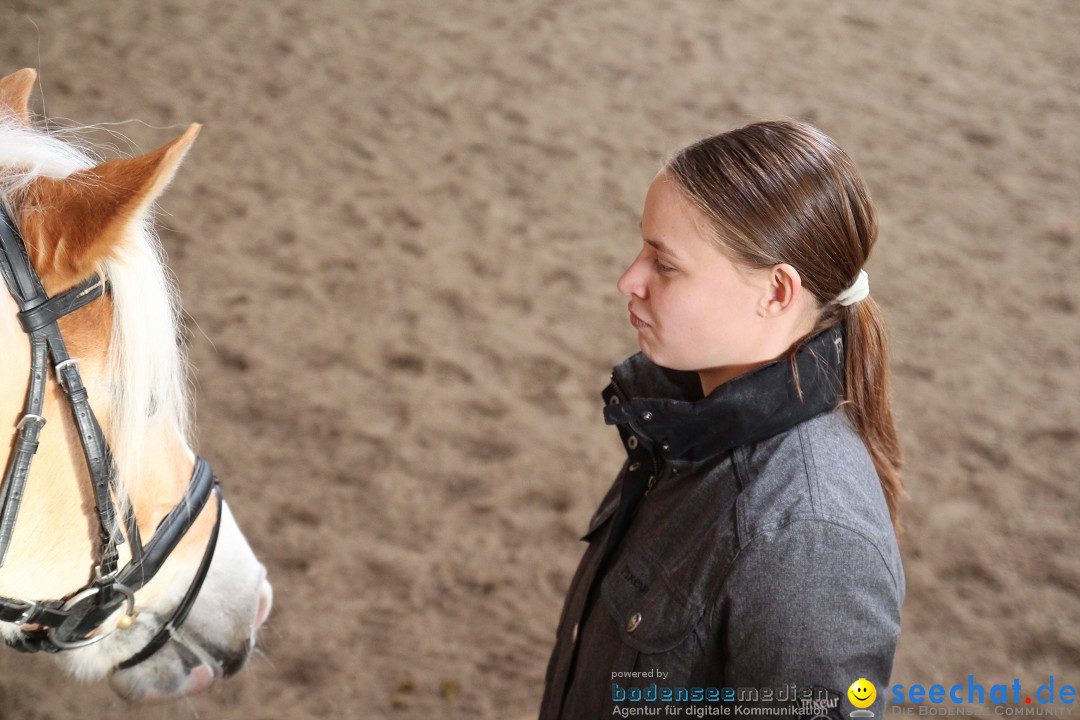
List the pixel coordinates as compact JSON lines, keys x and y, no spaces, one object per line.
{"x":399,"y":236}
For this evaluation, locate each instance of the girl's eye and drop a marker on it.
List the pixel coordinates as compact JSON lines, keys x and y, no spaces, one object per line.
{"x":662,"y":267}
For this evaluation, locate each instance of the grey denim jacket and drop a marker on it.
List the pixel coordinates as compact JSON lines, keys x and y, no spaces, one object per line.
{"x":744,"y":549}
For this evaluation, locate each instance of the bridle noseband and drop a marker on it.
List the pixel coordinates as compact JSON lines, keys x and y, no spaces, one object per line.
{"x":71,"y":622}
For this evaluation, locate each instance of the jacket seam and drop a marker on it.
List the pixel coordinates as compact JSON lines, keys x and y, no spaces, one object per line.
{"x":809,"y":466}
{"x":735,"y":561}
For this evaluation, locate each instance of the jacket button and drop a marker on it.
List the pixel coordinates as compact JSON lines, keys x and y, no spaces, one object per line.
{"x":652,"y":482}
{"x":634,"y":466}
{"x":646,"y":416}
{"x":631,"y":442}
{"x":665,"y":446}
{"x":633,"y":622}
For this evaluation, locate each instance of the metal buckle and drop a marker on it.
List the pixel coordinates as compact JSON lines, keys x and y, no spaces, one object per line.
{"x":91,"y":591}
{"x":32,"y":417}
{"x":31,"y":608}
{"x":59,"y":370}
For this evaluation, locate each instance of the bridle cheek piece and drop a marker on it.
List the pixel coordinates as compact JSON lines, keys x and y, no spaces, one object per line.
{"x":76,"y":621}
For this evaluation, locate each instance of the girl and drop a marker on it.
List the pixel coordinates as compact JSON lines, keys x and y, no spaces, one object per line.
{"x":746,"y":552}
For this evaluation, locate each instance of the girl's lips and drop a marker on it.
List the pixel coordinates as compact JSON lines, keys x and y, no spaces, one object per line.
{"x":637,"y":322}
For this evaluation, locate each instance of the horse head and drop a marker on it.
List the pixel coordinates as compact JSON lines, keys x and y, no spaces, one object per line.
{"x":119,"y":551}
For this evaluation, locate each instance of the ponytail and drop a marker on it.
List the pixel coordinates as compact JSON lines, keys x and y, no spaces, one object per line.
{"x":866,"y":398}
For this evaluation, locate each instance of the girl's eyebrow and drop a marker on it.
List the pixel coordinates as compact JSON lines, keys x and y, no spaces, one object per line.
{"x":659,"y":245}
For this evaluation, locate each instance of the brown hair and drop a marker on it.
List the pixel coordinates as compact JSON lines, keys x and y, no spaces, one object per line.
{"x":784,"y":192}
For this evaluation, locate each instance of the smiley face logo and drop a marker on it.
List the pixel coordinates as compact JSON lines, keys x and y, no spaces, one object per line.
{"x":862,"y":693}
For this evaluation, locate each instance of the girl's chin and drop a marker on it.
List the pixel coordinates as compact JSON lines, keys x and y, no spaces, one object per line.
{"x":666,"y":362}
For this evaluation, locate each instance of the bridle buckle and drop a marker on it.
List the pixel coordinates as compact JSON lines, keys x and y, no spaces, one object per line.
{"x":29,"y":417}
{"x":31,"y":608}
{"x":59,"y":370}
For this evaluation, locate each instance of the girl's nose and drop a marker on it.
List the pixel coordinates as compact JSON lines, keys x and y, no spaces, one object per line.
{"x":633,"y":279}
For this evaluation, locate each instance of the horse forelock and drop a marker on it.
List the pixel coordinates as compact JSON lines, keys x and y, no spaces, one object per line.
{"x":145,"y":367}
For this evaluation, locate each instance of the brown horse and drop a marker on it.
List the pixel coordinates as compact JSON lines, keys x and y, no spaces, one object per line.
{"x":88,"y":225}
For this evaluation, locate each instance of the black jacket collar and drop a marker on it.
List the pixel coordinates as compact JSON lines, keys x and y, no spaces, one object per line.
{"x":666,"y":408}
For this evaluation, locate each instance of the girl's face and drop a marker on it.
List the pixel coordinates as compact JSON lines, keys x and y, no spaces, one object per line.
{"x":693,"y":308}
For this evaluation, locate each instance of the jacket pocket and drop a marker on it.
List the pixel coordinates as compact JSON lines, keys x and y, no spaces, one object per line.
{"x":652,"y":614}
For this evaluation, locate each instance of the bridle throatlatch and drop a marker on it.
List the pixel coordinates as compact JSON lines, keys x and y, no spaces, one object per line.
{"x":76,"y":620}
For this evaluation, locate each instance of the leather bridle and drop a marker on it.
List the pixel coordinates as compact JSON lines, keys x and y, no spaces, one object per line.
{"x":76,"y":620}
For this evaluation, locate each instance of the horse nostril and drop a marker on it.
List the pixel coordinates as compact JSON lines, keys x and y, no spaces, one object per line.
{"x":266,"y":601}
{"x":233,"y":662}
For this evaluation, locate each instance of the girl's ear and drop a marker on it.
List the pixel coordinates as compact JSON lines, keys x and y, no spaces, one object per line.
{"x":785,"y":285}
{"x":15,"y":94}
{"x":71,"y":225}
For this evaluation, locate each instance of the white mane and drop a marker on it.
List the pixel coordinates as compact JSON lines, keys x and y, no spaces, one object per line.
{"x":146,"y":367}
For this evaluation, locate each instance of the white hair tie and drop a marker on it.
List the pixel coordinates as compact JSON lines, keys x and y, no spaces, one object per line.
{"x":858,"y":290}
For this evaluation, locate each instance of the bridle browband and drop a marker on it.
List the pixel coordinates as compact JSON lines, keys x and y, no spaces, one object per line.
{"x":75,"y":621}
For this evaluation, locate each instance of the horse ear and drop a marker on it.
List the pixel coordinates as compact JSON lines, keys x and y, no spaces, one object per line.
{"x":72,"y":224}
{"x":15,"y":94}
